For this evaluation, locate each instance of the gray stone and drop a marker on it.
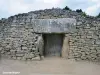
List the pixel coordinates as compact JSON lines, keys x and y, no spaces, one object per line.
{"x":19,"y":34}
{"x":62,"y":25}
{"x":36,"y":58}
{"x":19,"y":58}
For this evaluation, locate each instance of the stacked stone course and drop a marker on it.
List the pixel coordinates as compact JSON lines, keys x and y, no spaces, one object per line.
{"x":19,"y":41}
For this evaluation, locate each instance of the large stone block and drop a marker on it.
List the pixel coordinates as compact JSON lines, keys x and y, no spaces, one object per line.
{"x":62,"y":25}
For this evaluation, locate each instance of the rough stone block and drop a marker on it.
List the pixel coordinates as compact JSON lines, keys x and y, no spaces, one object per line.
{"x":36,"y":58}
{"x":19,"y":55}
{"x":19,"y":58}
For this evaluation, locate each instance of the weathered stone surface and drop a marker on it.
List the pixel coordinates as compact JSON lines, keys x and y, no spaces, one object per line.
{"x":65,"y":48}
{"x":60,"y":25}
{"x":19,"y":34}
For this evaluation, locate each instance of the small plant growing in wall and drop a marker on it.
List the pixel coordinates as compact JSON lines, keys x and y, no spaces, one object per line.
{"x":81,"y":12}
{"x":84,"y":14}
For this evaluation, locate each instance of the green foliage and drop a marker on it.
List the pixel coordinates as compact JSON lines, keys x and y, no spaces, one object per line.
{"x":66,"y":8}
{"x":84,"y":14}
{"x":98,"y":15}
{"x":79,"y":10}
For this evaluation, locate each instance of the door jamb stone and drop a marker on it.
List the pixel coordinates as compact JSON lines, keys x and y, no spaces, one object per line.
{"x":65,"y":47}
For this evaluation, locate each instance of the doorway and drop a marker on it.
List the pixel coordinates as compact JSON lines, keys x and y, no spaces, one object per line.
{"x":53,"y":45}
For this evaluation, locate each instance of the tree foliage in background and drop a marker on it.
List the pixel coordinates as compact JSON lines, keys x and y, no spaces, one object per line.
{"x":98,"y":15}
{"x":79,"y":10}
{"x":82,"y":13}
{"x":66,"y":8}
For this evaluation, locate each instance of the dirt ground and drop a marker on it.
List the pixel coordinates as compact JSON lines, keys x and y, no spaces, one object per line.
{"x":48,"y":66}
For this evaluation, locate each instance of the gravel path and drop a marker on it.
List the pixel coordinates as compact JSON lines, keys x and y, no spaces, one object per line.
{"x":48,"y":66}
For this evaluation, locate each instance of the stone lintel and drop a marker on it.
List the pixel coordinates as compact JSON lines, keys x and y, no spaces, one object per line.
{"x":60,"y":25}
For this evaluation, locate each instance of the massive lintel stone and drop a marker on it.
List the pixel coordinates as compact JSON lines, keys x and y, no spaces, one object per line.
{"x":60,"y":25}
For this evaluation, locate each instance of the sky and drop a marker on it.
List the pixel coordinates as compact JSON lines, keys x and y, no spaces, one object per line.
{"x":12,"y":7}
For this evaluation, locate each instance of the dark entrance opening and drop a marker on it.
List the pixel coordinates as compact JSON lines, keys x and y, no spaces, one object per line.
{"x":53,"y":44}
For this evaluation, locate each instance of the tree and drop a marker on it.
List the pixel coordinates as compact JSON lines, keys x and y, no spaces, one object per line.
{"x":82,"y":13}
{"x":79,"y":10}
{"x":98,"y":15}
{"x":66,"y":8}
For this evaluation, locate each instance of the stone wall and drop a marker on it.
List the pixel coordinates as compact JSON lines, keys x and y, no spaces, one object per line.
{"x":85,"y":42}
{"x":19,"y":41}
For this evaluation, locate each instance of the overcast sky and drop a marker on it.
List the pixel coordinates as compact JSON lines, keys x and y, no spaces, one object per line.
{"x":12,"y":7}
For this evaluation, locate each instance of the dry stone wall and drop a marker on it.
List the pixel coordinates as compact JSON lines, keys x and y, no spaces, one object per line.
{"x":19,"y":41}
{"x":85,"y":42}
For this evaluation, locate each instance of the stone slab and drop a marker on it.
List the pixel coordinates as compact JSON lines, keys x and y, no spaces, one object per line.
{"x":60,"y":25}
